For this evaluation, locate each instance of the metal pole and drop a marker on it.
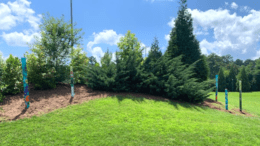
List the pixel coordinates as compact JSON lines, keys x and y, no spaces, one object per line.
{"x":71,"y":68}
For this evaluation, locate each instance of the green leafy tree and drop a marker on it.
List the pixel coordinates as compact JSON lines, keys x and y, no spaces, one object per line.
{"x":248,"y":61}
{"x":251,"y":78}
{"x":79,"y":63}
{"x":222,"y":85}
{"x":244,"y":78}
{"x":56,"y":40}
{"x":227,"y":59}
{"x":214,"y":62}
{"x":2,"y":84}
{"x":39,"y":73}
{"x":12,"y":75}
{"x":183,"y":42}
{"x":239,"y":62}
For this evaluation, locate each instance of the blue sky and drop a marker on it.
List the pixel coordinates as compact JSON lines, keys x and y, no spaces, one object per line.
{"x":223,"y":26}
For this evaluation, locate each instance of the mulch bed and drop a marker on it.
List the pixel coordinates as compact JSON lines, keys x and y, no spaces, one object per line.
{"x":45,"y":101}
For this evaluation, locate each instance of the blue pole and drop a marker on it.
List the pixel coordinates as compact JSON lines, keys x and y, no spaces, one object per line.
{"x":25,"y":83}
{"x":226,"y":97}
{"x":216,"y":87}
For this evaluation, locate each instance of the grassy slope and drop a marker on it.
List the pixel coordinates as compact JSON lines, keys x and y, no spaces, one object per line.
{"x":128,"y":121}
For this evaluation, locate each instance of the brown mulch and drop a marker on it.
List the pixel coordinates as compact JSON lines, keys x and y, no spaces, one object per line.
{"x":45,"y":101}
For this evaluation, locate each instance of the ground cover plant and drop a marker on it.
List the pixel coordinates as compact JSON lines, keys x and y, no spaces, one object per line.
{"x":129,"y":120}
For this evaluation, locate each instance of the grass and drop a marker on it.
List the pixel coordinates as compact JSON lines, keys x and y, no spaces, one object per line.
{"x":250,"y":101}
{"x":137,"y":121}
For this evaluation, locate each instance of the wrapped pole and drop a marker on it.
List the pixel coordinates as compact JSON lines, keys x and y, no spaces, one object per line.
{"x":226,"y":97}
{"x":25,"y":83}
{"x":240,"y":95}
{"x":216,"y":87}
{"x":72,"y":82}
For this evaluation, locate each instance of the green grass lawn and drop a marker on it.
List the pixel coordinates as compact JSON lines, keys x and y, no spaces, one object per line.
{"x":250,"y":101}
{"x":130,"y":121}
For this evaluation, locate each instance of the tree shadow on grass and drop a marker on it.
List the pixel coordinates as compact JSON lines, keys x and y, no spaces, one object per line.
{"x":140,"y":97}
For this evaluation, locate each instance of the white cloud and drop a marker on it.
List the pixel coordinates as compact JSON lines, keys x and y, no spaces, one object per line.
{"x":19,"y":39}
{"x":7,"y":21}
{"x":167,"y":37}
{"x":107,"y":37}
{"x":231,"y":32}
{"x":145,"y":52}
{"x":14,"y":13}
{"x":226,"y":3}
{"x":171,"y":23}
{"x":234,"y":5}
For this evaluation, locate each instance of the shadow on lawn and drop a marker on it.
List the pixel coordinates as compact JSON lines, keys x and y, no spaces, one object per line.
{"x":175,"y":103}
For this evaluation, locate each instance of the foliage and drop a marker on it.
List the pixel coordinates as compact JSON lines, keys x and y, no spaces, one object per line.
{"x":214,"y":62}
{"x":130,"y":57}
{"x":231,"y":79}
{"x":183,"y":42}
{"x":39,"y":72}
{"x":56,"y":41}
{"x":153,"y":56}
{"x":2,"y":84}
{"x":222,"y":85}
{"x":12,"y":75}
{"x":257,"y":75}
{"x":244,"y":78}
{"x":239,"y":62}
{"x":79,"y":63}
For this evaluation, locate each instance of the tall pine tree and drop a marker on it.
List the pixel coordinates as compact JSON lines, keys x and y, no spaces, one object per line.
{"x":231,"y":84}
{"x":244,"y":78}
{"x":257,"y":74}
{"x":183,"y":42}
{"x":221,"y":81}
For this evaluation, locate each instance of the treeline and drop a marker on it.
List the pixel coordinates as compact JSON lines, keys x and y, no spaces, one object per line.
{"x":230,"y":72}
{"x":181,"y":73}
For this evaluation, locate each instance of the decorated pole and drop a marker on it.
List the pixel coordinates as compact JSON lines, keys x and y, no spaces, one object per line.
{"x":216,"y":87}
{"x":71,"y":83}
{"x":240,"y":95}
{"x":226,"y":97}
{"x":25,"y":83}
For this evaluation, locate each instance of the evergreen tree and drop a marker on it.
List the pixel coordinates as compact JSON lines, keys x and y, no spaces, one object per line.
{"x":257,"y":75}
{"x":221,"y":81}
{"x":244,"y":78}
{"x":183,"y":42}
{"x":231,"y":84}
{"x":153,"y":56}
{"x":131,"y":57}
{"x":250,"y":72}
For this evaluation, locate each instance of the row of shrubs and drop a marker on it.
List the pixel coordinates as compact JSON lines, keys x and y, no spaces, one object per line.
{"x":40,"y":72}
{"x":167,"y":77}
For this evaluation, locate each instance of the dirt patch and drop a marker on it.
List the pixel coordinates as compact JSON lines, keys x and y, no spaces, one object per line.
{"x":45,"y":101}
{"x":235,"y":111}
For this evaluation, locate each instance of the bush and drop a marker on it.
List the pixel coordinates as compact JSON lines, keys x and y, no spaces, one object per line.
{"x":12,"y":76}
{"x":39,"y":72}
{"x":79,"y":63}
